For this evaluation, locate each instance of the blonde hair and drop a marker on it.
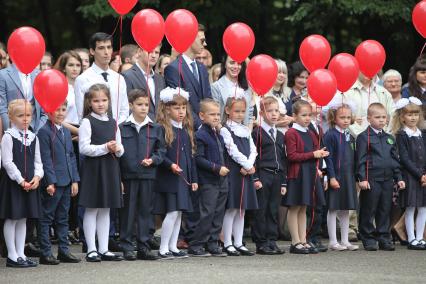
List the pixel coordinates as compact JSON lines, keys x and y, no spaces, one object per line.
{"x":164,"y":118}
{"x":206,"y":103}
{"x":332,"y":114}
{"x":299,"y":104}
{"x":397,"y":123}
{"x":14,"y":104}
{"x":229,"y":104}
{"x":88,"y":96}
{"x":267,"y":101}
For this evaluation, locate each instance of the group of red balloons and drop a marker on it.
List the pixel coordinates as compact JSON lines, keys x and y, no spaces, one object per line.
{"x":181,"y":28}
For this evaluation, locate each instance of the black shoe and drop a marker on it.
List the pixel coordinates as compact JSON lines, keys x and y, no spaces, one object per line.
{"x":311,"y":248}
{"x":31,"y":250}
{"x":217,"y":252}
{"x":265,"y":250}
{"x":370,"y":247}
{"x":110,"y":257}
{"x":229,"y":252}
{"x":180,"y":254}
{"x":154,"y":243}
{"x":94,"y":258}
{"x":72,"y":238}
{"x":198,"y":252}
{"x":68,"y":257}
{"x":388,"y":246}
{"x":49,"y":260}
{"x":19,"y":263}
{"x":275,"y":248}
{"x":31,"y":263}
{"x":244,"y":251}
{"x":147,"y":255}
{"x":168,"y":255}
{"x":114,"y":245}
{"x":129,"y":255}
{"x":295,"y":250}
{"x":319,"y":246}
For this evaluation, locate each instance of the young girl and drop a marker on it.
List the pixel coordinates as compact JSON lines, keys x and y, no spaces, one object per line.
{"x":240,"y":157}
{"x":411,"y":143}
{"x":177,"y":174}
{"x":341,"y":195}
{"x":100,"y":143}
{"x":303,"y":178}
{"x":21,"y":173}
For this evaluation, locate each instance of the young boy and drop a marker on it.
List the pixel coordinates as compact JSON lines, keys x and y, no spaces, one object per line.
{"x":60,"y":182}
{"x":212,"y":179}
{"x":145,"y":149}
{"x":377,"y":170}
{"x":269,"y":179}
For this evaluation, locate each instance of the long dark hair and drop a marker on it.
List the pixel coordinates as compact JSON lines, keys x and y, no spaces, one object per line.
{"x":242,"y":80}
{"x":413,"y":85}
{"x":294,"y":70}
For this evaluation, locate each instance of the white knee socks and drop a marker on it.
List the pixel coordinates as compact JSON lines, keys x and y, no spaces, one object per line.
{"x":102,"y":228}
{"x":420,"y":222}
{"x":167,"y":229}
{"x":228,"y":221}
{"x":409,"y":223}
{"x":343,"y":216}
{"x":20,"y":233}
{"x":96,"y":220}
{"x":9,"y":237}
{"x":331,"y":225}
{"x":238,"y":228}
{"x":175,"y":235}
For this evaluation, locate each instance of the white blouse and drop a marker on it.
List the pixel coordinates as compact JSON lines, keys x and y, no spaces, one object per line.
{"x":72,"y":115}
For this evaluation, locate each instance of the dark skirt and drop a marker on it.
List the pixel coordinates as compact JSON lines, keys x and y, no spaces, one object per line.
{"x":414,"y":194}
{"x":241,"y":194}
{"x":15,"y":202}
{"x":165,"y":202}
{"x":100,"y":182}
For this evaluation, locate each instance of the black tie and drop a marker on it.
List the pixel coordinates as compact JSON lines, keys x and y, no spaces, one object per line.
{"x":105,"y":75}
{"x":222,"y":160}
{"x":272,"y":132}
{"x":61,"y":130}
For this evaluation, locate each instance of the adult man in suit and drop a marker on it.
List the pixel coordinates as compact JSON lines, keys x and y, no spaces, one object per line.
{"x":136,"y":78}
{"x":194,"y":77}
{"x":16,"y":85}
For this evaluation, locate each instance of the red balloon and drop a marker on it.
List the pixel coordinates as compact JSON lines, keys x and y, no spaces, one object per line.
{"x":26,"y":48}
{"x":322,"y":86}
{"x":261,"y":73}
{"x":122,"y":7}
{"x":238,"y":41}
{"x":148,"y":29}
{"x":50,"y":89}
{"x":345,"y":67}
{"x":419,"y":18}
{"x":371,"y":57}
{"x":181,"y":29}
{"x":314,"y":52}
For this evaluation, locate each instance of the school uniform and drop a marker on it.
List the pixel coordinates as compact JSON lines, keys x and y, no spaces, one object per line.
{"x":60,"y":168}
{"x":271,"y":172}
{"x":213,"y":188}
{"x":172,"y":191}
{"x":20,"y":161}
{"x":377,"y":163}
{"x":141,"y":141}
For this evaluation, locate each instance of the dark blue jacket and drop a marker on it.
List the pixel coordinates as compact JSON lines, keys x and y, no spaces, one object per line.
{"x":135,"y":150}
{"x":207,"y":156}
{"x":57,"y":155}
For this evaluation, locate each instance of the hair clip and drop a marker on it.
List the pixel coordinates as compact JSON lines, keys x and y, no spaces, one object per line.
{"x":402,"y":103}
{"x":168,"y":94}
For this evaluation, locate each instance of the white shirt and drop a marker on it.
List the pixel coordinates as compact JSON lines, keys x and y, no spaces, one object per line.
{"x":93,"y":76}
{"x":26,"y":85}
{"x":72,"y":115}
{"x":299,"y":127}
{"x":412,"y":133}
{"x":138,"y":125}
{"x":188,"y":62}
{"x":7,"y":154}
{"x":377,"y":131}
{"x":268,"y":128}
{"x":85,"y":135}
{"x":242,"y":131}
{"x":150,"y":79}
{"x":176,"y":124}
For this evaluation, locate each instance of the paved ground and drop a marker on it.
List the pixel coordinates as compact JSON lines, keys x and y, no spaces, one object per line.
{"x":401,"y":266}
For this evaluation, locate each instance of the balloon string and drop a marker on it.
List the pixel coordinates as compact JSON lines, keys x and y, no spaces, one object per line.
{"x":25,"y":130}
{"x":148,"y":73}
{"x":119,"y":79}
{"x":177,"y":159}
{"x":116,"y":25}
{"x":52,"y":149}
{"x":242,"y":196}
{"x":180,"y":72}
{"x":421,"y":52}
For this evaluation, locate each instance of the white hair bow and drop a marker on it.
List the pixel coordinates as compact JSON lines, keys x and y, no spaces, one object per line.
{"x":337,"y":104}
{"x":402,"y":103}
{"x":168,"y":94}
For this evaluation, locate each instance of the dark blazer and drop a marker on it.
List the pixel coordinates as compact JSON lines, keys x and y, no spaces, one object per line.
{"x":135,"y":80}
{"x":11,"y":89}
{"x":405,"y":153}
{"x":197,"y":90}
{"x":381,"y":154}
{"x":295,"y":151}
{"x":57,"y":155}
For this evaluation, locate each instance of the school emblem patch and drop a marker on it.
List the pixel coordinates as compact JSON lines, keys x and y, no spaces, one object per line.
{"x":390,"y":141}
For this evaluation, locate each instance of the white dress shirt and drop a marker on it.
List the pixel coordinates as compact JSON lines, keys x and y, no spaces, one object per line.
{"x":26,"y":85}
{"x":7,"y":154}
{"x":72,"y":115}
{"x":118,"y":96}
{"x":138,"y":125}
{"x":188,"y":62}
{"x":151,"y":84}
{"x":85,"y":139}
{"x":268,"y":128}
{"x":242,"y":131}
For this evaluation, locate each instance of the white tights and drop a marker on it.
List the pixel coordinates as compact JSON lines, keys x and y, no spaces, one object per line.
{"x":233,"y":225}
{"x":14,"y":235}
{"x":420,"y":222}
{"x":343,"y":216}
{"x":170,"y":232}
{"x":96,"y":220}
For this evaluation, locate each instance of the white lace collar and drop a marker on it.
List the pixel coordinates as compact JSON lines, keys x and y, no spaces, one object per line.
{"x":412,"y":133}
{"x":238,"y":129}
{"x":176,"y":124}
{"x":299,"y":127}
{"x":103,"y":117}
{"x":19,"y":134}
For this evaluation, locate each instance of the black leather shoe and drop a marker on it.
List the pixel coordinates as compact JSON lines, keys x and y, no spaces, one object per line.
{"x":244,"y":251}
{"x":311,"y":248}
{"x":154,"y":243}
{"x":265,"y":250}
{"x":31,"y":263}
{"x":370,"y":247}
{"x":167,"y":256}
{"x":386,"y":246}
{"x":94,"y":257}
{"x":49,"y":260}
{"x":112,"y":257}
{"x":231,"y":252}
{"x":319,"y":246}
{"x":147,"y":255}
{"x":129,"y":255}
{"x":298,"y":249}
{"x":19,"y":263}
{"x":114,"y":245}
{"x":31,"y":250}
{"x":217,"y":252}
{"x":200,"y":252}
{"x":180,"y":254}
{"x":68,"y":258}
{"x":276,"y":249}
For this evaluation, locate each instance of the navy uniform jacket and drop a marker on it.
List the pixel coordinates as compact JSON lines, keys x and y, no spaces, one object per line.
{"x":381,"y":154}
{"x":57,"y":155}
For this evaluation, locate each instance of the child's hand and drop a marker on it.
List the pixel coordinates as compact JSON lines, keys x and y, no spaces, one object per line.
{"x":223,"y":171}
{"x":423,"y":179}
{"x":283,"y":190}
{"x":35,"y":182}
{"x":112,"y":146}
{"x":325,"y":185}
{"x":51,"y":189}
{"x":320,"y":173}
{"x":401,"y":184}
{"x":243,"y":171}
{"x":257,"y":185}
{"x":321,"y":153}
{"x":74,"y":189}
{"x":194,"y":186}
{"x":25,"y":185}
{"x":334,"y":183}
{"x":364,"y":185}
{"x":251,"y":171}
{"x":146,"y":162}
{"x":218,"y":127}
{"x":176,"y":169}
